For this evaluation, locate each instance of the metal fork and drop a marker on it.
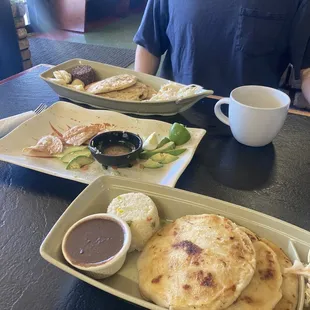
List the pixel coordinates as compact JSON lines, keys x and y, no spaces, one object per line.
{"x":40,"y":108}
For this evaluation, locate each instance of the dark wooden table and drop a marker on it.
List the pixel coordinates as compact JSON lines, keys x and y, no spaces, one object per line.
{"x":274,"y":179}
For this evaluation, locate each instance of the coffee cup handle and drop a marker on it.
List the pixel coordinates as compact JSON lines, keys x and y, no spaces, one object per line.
{"x":218,"y":112}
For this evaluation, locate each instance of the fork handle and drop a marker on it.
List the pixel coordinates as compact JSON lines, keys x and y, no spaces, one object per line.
{"x":10,"y":123}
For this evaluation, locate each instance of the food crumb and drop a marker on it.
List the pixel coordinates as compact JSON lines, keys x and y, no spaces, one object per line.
{"x":189,"y":247}
{"x":208,"y":280}
{"x":84,"y":168}
{"x":186,"y":287}
{"x":247,"y":299}
{"x":157,"y":279}
{"x":266,"y":274}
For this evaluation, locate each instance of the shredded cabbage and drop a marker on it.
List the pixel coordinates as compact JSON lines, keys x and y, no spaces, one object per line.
{"x":174,"y":91}
{"x":301,"y":270}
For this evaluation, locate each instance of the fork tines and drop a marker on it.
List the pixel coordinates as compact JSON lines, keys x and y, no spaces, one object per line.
{"x":40,"y":108}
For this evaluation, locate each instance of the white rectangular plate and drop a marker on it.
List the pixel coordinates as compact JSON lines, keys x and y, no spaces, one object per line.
{"x":171,"y":204}
{"x":63,"y":114}
{"x":104,"y":71}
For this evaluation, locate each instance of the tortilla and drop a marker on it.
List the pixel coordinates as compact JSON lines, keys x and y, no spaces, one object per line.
{"x":117,"y":82}
{"x":198,"y":262}
{"x":264,"y":290}
{"x":137,"y":92}
{"x":290,"y":281}
{"x":151,"y":92}
{"x":289,"y":285}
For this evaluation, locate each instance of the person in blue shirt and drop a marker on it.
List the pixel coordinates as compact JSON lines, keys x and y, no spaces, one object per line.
{"x":222,"y":44}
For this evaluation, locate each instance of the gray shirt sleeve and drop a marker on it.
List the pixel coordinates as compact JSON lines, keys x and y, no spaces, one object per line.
{"x":300,"y":35}
{"x":152,"y":32}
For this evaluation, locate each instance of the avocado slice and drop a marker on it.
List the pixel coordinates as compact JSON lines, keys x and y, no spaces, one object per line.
{"x":163,"y":158}
{"x":78,"y":162}
{"x":163,"y":142}
{"x":67,"y":158}
{"x":71,"y":149}
{"x":148,"y":154}
{"x":152,"y":164}
{"x":175,"y":152}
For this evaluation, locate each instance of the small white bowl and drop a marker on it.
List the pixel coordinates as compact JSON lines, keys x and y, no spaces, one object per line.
{"x":113,"y":265}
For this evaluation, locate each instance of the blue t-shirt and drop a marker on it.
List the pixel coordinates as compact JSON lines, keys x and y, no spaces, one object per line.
{"x":222,"y":44}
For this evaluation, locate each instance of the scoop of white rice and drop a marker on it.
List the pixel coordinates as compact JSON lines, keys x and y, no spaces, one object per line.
{"x":140,"y":213}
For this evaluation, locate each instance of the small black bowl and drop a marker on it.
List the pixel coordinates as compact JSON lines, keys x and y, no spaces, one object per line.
{"x":116,"y":148}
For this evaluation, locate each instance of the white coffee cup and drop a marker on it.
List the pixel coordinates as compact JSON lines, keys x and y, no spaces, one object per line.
{"x":256,"y":113}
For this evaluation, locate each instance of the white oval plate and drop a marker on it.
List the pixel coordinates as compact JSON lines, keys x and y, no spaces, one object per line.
{"x":164,"y":108}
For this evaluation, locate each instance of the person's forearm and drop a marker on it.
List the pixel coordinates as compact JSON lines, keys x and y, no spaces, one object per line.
{"x":145,"y":61}
{"x":305,"y":85}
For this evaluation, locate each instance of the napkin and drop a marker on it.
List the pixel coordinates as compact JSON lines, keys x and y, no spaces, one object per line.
{"x":10,"y":123}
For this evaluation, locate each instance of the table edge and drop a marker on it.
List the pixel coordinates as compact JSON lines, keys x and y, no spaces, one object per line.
{"x":12,"y":77}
